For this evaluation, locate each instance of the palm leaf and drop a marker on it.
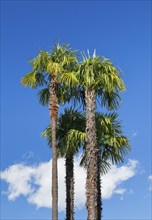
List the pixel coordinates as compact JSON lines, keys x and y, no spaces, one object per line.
{"x":40,"y":62}
{"x":69,"y":79}
{"x":29,"y":80}
{"x":47,"y":133}
{"x":44,"y":96}
{"x":75,"y":137}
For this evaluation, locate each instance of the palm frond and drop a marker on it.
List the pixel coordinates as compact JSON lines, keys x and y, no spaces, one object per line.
{"x":75,"y":137}
{"x":117,"y":141}
{"x":108,"y":78}
{"x":47,"y":133}
{"x":55,"y":68}
{"x":29,"y":80}
{"x":33,"y":79}
{"x":69,"y":79}
{"x":40,"y":62}
{"x":77,"y":97}
{"x":44,"y":96}
{"x":109,"y":100}
{"x":62,"y":53}
{"x":103,"y":163}
{"x":110,"y":154}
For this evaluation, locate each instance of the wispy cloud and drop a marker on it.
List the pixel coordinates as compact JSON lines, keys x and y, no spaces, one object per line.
{"x":34,"y":183}
{"x":28,"y":155}
{"x":135,"y":133}
{"x":150,"y":181}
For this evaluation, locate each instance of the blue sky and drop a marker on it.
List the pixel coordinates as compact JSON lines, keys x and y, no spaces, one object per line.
{"x":119,"y":30}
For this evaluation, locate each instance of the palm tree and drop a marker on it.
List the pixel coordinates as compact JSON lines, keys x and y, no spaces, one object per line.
{"x":50,"y":70}
{"x":111,"y":143}
{"x":69,"y":120}
{"x":99,"y":78}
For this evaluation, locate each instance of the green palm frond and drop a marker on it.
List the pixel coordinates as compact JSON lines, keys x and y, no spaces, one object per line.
{"x":109,"y":100}
{"x":55,"y":68}
{"x":107,"y":125}
{"x":88,"y":70}
{"x":104,"y":166}
{"x":44,"y":96}
{"x":76,"y":96}
{"x":33,"y":79}
{"x":62,"y":53}
{"x":76,"y":138}
{"x":70,"y":58}
{"x":66,"y":139}
{"x":40,"y":62}
{"x":112,"y":155}
{"x":100,"y":74}
{"x":103,"y":163}
{"x":47,"y":133}
{"x":62,"y":94}
{"x":29,"y":80}
{"x":115,"y":148}
{"x":71,"y":119}
{"x":108,"y":77}
{"x":115,"y":158}
{"x":69,"y":79}
{"x":112,"y":144}
{"x":115,"y":124}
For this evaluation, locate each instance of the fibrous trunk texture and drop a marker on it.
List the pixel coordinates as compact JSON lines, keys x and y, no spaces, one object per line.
{"x":69,"y":188}
{"x":99,"y":188}
{"x":53,"y":117}
{"x":91,"y":156}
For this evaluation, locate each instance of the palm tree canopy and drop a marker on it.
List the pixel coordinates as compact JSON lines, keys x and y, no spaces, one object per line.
{"x":61,"y":62}
{"x":112,"y":143}
{"x":71,"y":119}
{"x":100,"y":74}
{"x":71,"y":135}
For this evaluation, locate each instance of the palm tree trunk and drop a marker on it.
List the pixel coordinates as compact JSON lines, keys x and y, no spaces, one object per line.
{"x":69,"y":188}
{"x":53,"y":117}
{"x":91,"y":156}
{"x":99,"y":188}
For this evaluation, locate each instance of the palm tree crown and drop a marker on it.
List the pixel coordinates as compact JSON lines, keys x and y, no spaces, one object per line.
{"x":60,"y":63}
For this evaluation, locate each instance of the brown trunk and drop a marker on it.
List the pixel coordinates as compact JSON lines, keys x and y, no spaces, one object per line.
{"x":91,"y":156}
{"x":99,"y":188}
{"x":53,"y":117}
{"x":69,"y":189}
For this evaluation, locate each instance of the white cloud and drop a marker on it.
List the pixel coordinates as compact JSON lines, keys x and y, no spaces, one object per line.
{"x":150,"y":180}
{"x":18,"y":177}
{"x":34,"y":182}
{"x":116,"y":176}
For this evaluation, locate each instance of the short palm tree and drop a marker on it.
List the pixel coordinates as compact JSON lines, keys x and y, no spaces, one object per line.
{"x":98,"y":78}
{"x":69,"y":120}
{"x":111,"y":143}
{"x":50,"y":70}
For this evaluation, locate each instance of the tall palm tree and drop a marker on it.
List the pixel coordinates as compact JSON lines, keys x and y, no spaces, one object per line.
{"x":111,"y":143}
{"x":50,"y":70}
{"x":98,"y":78}
{"x":69,"y":120}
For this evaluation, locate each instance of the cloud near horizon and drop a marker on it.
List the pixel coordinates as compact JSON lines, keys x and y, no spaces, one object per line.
{"x":34,"y":183}
{"x":150,"y":181}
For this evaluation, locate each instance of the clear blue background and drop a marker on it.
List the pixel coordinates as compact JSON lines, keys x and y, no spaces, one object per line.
{"x":120,"y":30}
